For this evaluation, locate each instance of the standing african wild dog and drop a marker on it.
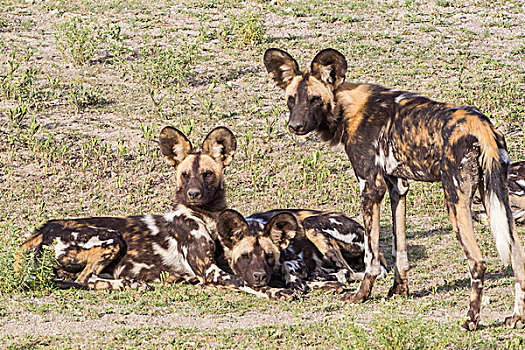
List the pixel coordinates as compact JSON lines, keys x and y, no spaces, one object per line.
{"x":307,"y":245}
{"x":111,"y":252}
{"x":392,"y":136}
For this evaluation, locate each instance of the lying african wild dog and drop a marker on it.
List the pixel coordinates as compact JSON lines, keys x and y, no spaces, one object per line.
{"x":116,"y":252}
{"x":516,"y":181}
{"x":294,"y":246}
{"x":393,"y":136}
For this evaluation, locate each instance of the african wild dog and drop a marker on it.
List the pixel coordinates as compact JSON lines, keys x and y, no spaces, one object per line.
{"x":115,"y":252}
{"x":310,"y":248}
{"x":393,"y":136}
{"x":516,"y":180}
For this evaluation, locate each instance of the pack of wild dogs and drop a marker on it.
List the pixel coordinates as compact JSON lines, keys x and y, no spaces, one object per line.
{"x":390,"y":137}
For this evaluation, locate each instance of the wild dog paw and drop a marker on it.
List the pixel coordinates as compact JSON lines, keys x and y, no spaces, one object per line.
{"x":135,"y":284}
{"x":98,"y":283}
{"x":298,"y":285}
{"x":470,"y":325}
{"x":352,"y":297}
{"x":399,"y":289}
{"x":282,"y":293}
{"x":514,"y":321}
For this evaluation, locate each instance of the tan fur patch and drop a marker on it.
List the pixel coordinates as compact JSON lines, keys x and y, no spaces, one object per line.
{"x":268,"y":245}
{"x":316,"y":87}
{"x":483,"y":131}
{"x":208,"y":163}
{"x":244,"y":246}
{"x":291,"y":89}
{"x":352,"y":98}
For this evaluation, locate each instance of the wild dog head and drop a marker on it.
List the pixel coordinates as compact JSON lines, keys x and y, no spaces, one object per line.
{"x":309,"y":93}
{"x":199,"y":175}
{"x":253,"y":253}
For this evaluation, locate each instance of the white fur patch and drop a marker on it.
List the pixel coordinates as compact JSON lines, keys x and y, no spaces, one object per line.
{"x":348,"y":238}
{"x":59,"y":247}
{"x":74,"y":235}
{"x":362,"y":184}
{"x":149,"y":220}
{"x":499,"y":227}
{"x":521,"y":183}
{"x":402,"y":261}
{"x":95,"y":242}
{"x":215,"y":271}
{"x":518,"y":214}
{"x":518,"y":299}
{"x":137,"y":267}
{"x":334,"y":221}
{"x":254,"y":292}
{"x":261,"y":222}
{"x":173,"y":257}
{"x":118,"y":271}
{"x":403,"y":96}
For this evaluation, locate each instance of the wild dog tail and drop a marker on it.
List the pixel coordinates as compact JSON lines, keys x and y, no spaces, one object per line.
{"x":495,"y":195}
{"x":33,"y":243}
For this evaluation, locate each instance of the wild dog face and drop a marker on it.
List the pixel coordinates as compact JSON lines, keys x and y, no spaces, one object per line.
{"x":252,"y":253}
{"x":199,"y":175}
{"x":310,"y":93}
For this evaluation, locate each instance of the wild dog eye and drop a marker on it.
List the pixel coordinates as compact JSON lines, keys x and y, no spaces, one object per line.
{"x":245,"y":256}
{"x":291,"y":101}
{"x":315,"y":99}
{"x":207,"y":174}
{"x":269,"y":256}
{"x":185,"y":175}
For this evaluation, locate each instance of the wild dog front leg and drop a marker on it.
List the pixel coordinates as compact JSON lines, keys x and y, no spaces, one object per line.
{"x":397,"y":189}
{"x":214,"y":275}
{"x":372,"y":194}
{"x":329,"y":248}
{"x":294,"y":272}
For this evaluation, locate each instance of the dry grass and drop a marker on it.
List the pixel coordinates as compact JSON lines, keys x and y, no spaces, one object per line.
{"x":86,"y":86}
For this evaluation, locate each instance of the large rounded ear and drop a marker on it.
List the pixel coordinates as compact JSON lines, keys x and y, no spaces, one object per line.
{"x":231,"y":227}
{"x":281,"y":67}
{"x":329,"y":66}
{"x":174,"y":145}
{"x":281,"y":229}
{"x":220,"y":144}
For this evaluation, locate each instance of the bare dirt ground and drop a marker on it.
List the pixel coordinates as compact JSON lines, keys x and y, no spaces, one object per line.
{"x":86,"y":87}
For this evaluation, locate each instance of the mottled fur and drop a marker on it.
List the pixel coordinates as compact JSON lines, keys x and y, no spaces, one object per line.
{"x":320,"y":249}
{"x":117,"y":252}
{"x":392,"y":136}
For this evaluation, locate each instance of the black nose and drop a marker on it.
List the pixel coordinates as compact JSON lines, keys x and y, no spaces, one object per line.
{"x":259,"y":276}
{"x":296,"y":126}
{"x":194,"y":194}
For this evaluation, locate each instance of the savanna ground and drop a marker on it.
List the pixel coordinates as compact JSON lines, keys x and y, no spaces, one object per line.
{"x":87,"y":85}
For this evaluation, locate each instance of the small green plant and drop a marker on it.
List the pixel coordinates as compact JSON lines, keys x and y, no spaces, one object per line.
{"x":17,"y":83}
{"x":167,"y":67}
{"x":246,"y":28}
{"x":77,"y":39}
{"x":33,"y":271}
{"x":80,"y":96}
{"x":17,"y":115}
